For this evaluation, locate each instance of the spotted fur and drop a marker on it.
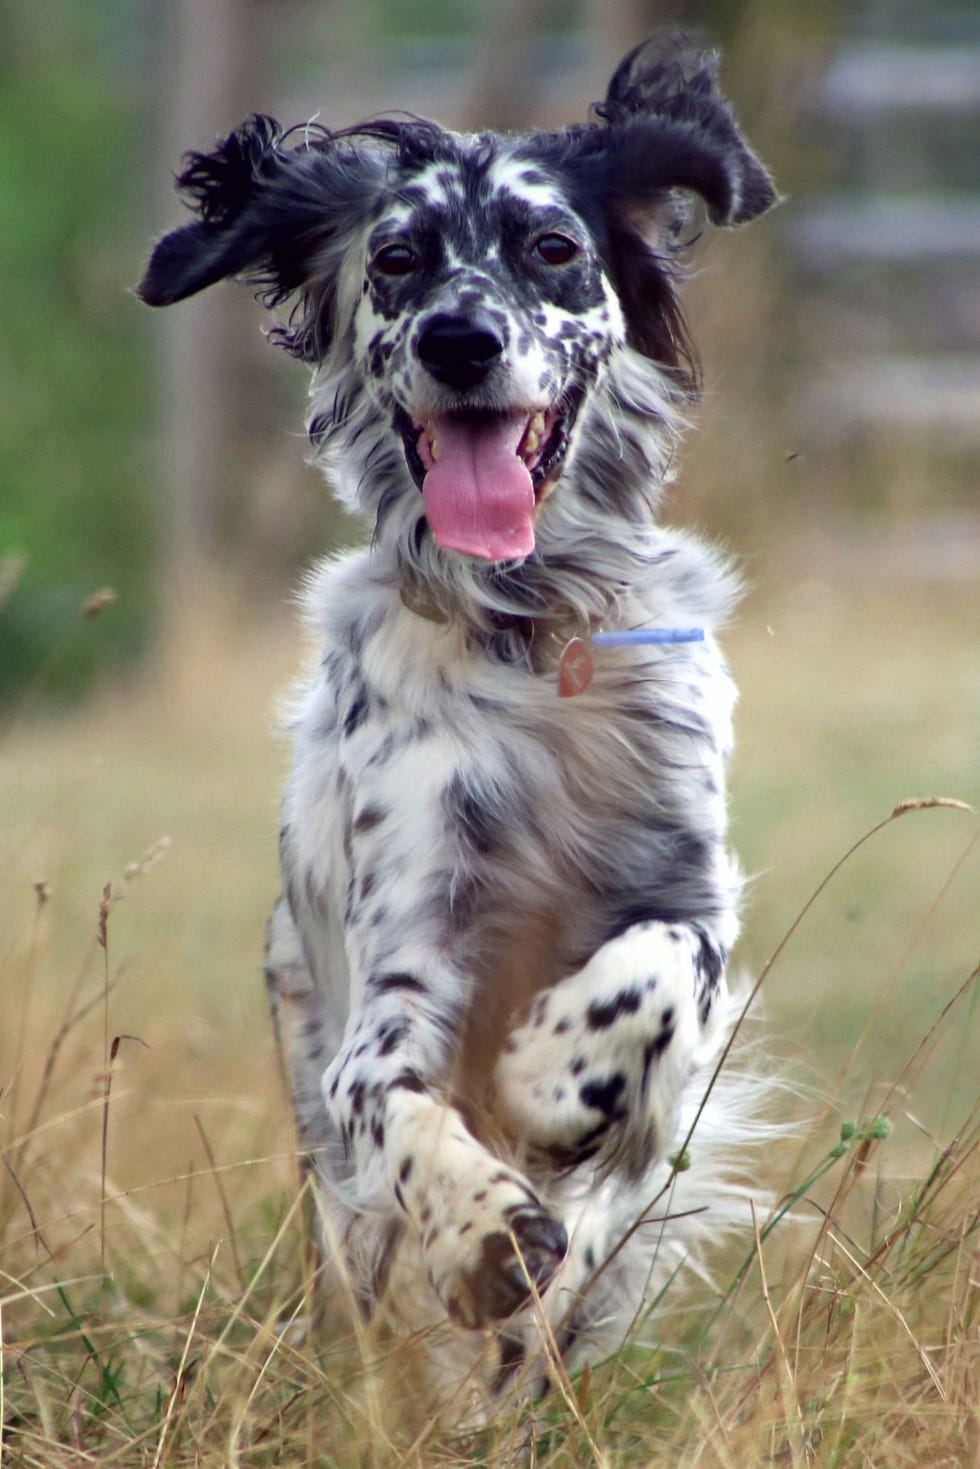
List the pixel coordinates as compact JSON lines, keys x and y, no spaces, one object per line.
{"x":498,"y":961}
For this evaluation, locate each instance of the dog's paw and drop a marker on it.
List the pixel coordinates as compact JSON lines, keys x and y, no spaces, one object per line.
{"x":484,"y":1261}
{"x":497,"y":1278}
{"x":486,"y":1237}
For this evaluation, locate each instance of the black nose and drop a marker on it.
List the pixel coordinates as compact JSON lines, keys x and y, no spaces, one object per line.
{"x":459,"y":351}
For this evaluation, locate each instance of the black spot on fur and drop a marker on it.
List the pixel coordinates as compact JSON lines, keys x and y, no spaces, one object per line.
{"x":585,"y":1146}
{"x":603,"y":1096}
{"x":356,"y":714}
{"x":408,"y":1081}
{"x":367,"y":886}
{"x":709,"y":963}
{"x":391,"y":1036}
{"x":369,"y":818}
{"x":601,"y":1014}
{"x":653,"y":1050}
{"x":472,"y":817}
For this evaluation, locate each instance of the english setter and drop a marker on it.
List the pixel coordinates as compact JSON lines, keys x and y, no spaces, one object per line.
{"x":497,"y":964}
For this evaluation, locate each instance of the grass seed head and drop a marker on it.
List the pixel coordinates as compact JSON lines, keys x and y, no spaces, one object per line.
{"x":102,"y":930}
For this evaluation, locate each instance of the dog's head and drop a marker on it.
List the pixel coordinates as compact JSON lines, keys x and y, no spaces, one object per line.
{"x":461,"y":296}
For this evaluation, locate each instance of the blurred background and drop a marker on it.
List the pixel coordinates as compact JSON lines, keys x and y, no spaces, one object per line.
{"x":161,"y":455}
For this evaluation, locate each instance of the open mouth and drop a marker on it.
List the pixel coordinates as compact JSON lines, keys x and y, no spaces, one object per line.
{"x":484,"y":474}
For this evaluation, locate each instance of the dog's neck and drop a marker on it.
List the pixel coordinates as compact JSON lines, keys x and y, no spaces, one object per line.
{"x":504,"y":637}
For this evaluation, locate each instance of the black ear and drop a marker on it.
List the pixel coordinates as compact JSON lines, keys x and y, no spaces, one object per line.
{"x":232,"y":233}
{"x":279,"y":209}
{"x":663,"y":133}
{"x":669,"y":127}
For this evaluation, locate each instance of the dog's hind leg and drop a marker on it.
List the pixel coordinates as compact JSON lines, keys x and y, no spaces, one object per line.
{"x":302,"y":1033}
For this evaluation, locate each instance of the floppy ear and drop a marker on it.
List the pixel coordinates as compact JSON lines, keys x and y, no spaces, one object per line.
{"x":232,"y":233}
{"x":280,"y":210}
{"x":668,"y":127}
{"x":663,"y":133}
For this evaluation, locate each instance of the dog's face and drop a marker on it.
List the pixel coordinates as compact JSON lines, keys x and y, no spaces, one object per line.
{"x":485,"y":318}
{"x":470,"y":290}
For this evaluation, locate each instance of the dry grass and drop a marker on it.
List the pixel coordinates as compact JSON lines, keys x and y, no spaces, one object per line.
{"x":151,"y":1238}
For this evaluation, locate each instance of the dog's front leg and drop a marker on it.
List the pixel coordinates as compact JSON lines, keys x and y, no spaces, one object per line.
{"x":595,"y":1072}
{"x":483,"y":1229}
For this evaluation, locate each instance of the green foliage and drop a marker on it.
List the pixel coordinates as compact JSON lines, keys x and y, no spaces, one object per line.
{"x":73,"y":497}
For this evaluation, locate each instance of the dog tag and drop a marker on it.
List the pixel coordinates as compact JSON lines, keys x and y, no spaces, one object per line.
{"x":574,"y":668}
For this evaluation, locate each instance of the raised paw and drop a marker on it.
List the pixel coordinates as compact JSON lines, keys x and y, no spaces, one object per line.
{"x":594,"y":1072}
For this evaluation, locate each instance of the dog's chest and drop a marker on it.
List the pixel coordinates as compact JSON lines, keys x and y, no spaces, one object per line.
{"x":405,"y":710}
{"x":485,"y":761}
{"x":419,"y":707}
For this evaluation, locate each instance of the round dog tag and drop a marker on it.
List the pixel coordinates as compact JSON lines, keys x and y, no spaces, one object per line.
{"x":574,"y":668}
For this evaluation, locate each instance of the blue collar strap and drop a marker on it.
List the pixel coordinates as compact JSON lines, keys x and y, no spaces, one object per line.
{"x":637,"y":636}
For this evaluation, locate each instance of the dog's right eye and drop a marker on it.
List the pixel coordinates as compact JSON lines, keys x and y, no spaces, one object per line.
{"x":394,"y":260}
{"x":554,"y":249}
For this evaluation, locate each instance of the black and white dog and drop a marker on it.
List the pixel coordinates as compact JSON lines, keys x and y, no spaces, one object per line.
{"x":498,"y":959}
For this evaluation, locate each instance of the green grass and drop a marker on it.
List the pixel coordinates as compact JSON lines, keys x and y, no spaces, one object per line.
{"x":846,"y":1335}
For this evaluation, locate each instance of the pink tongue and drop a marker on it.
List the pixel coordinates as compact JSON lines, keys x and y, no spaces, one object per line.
{"x":478,"y":494}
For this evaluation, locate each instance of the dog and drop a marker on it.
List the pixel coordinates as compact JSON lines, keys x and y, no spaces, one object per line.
{"x":497,"y":964}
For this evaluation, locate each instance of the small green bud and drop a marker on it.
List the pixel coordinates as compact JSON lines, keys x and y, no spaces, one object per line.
{"x":680,"y":1162}
{"x":839,"y":1150}
{"x":847,"y":1131}
{"x":878,"y":1129}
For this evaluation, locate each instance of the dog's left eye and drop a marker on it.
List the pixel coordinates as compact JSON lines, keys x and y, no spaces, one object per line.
{"x":554,"y":249}
{"x":394,"y":260}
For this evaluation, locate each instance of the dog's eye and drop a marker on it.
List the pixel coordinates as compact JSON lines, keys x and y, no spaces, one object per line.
{"x":554,"y":249}
{"x":394,"y":260}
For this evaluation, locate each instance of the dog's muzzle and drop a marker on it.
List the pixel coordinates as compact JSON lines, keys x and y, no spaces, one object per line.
{"x":484,"y":472}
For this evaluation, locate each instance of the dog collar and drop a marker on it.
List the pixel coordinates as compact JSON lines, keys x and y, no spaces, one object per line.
{"x":576,"y":664}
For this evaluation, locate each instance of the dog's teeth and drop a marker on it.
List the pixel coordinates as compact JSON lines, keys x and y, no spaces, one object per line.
{"x":537,"y":426}
{"x":434,"y":449}
{"x":531,"y":442}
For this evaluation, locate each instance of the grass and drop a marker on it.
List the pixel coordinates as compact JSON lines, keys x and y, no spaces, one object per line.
{"x":152,"y":1238}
